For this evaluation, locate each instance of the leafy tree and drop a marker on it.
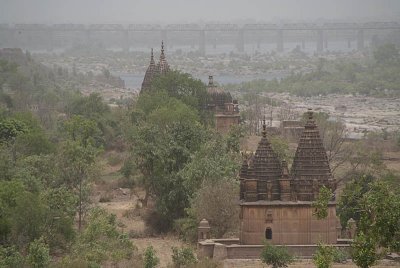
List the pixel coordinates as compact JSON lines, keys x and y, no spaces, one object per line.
{"x":38,"y":254}
{"x":276,"y":256}
{"x":10,"y":257}
{"x":82,"y":130}
{"x":100,"y":241}
{"x":349,"y":202}
{"x":182,"y":257}
{"x":222,"y":217}
{"x":150,"y":258}
{"x":363,"y":251}
{"x":182,"y":86}
{"x":324,"y":256}
{"x":320,"y":205}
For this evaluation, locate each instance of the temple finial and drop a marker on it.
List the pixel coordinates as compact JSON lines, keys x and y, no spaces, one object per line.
{"x":264,"y":131}
{"x":210,"y":81}
{"x":310,"y":114}
{"x":162,"y":45}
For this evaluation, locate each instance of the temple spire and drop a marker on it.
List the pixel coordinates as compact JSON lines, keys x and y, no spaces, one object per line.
{"x":264,"y":131}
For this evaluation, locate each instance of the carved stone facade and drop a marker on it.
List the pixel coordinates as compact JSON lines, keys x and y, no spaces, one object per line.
{"x":277,"y":205}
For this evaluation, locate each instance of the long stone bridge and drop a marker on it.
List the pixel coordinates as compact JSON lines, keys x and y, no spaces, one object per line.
{"x":49,"y":37}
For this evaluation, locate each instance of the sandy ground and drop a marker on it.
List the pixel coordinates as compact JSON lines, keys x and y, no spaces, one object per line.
{"x":297,"y":264}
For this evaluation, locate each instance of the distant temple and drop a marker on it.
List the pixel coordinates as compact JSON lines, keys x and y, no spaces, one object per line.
{"x":160,"y":69}
{"x":225,"y":109}
{"x":277,"y":205}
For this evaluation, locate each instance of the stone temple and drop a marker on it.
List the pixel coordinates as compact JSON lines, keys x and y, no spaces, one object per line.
{"x":276,"y":204}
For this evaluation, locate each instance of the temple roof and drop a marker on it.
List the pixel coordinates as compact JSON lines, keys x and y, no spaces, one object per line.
{"x":266,"y":164}
{"x":310,"y":161}
{"x":150,"y":72}
{"x":217,"y":96}
{"x":162,"y":66}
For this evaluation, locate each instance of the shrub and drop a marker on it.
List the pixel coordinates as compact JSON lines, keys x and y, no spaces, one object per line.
{"x":276,"y":256}
{"x":186,"y":228}
{"x":10,"y":257}
{"x":181,"y":257}
{"x":106,"y":197}
{"x":38,"y":254}
{"x":150,"y":258}
{"x":324,"y":256}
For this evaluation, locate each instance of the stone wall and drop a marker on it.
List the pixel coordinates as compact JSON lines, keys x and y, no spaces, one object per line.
{"x":290,"y":223}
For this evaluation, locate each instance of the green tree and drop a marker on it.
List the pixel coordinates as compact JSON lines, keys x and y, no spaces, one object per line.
{"x":150,"y":258}
{"x":363,"y":251}
{"x":184,"y":87}
{"x":10,"y":257}
{"x":320,"y":205}
{"x":276,"y":256}
{"x":183,"y":257}
{"x":76,"y":163}
{"x":324,"y":256}
{"x":38,"y":254}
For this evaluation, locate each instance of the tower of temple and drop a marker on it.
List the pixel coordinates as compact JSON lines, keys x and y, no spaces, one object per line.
{"x":153,"y":70}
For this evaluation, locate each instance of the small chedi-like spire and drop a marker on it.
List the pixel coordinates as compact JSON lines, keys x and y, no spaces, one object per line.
{"x":264,"y":126}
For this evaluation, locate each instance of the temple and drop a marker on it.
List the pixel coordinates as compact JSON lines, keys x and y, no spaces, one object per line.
{"x":276,"y":204}
{"x":161,"y":68}
{"x":224,"y":107}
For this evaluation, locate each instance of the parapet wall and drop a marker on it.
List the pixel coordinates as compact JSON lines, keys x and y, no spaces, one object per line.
{"x":218,"y":250}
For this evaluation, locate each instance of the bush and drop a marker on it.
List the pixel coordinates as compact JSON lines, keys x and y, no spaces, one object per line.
{"x":182,"y":257}
{"x":38,"y":254}
{"x":106,"y":197}
{"x":150,"y":258}
{"x":324,"y":256}
{"x":186,"y":228}
{"x":10,"y":257}
{"x":277,"y":256}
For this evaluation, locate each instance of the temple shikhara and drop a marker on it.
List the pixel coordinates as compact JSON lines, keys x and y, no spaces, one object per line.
{"x":160,"y":69}
{"x":276,"y":203}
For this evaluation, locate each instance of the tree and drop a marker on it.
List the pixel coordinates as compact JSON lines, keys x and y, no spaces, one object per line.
{"x":100,"y":241}
{"x":320,"y":205}
{"x":387,"y":54}
{"x":216,"y":201}
{"x":38,"y":254}
{"x":150,"y":258}
{"x":183,"y":257}
{"x":324,"y":256}
{"x":363,"y":251}
{"x":182,"y":86}
{"x":276,"y":256}
{"x":76,"y":163}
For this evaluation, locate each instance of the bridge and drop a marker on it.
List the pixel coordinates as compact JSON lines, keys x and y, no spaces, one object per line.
{"x":42,"y":36}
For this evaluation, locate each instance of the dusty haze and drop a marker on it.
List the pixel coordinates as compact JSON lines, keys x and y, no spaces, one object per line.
{"x":174,"y":11}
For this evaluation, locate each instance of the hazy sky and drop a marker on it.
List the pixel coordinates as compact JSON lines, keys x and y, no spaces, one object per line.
{"x":172,"y":11}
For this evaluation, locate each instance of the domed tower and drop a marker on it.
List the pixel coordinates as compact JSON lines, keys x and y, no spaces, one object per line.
{"x":310,"y":169}
{"x":150,"y":73}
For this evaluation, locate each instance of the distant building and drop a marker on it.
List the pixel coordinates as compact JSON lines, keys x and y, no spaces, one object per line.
{"x":161,"y":68}
{"x":277,"y":205}
{"x":225,"y":109}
